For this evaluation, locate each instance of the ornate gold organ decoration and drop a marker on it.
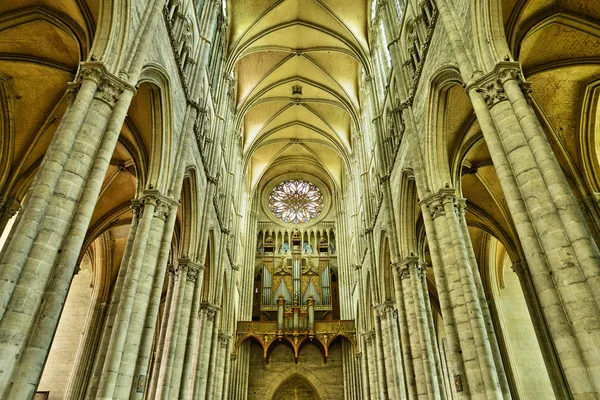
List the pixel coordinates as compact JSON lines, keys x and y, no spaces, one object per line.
{"x":292,"y":270}
{"x":267,"y":333}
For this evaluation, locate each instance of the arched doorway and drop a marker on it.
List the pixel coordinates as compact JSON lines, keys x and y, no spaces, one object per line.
{"x":296,"y":387}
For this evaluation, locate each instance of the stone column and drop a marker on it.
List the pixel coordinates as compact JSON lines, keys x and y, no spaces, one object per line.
{"x":415,"y":272}
{"x":481,"y":375}
{"x":222,"y":355}
{"x":372,"y":365}
{"x":483,"y":301}
{"x":114,"y":304}
{"x":206,"y":339}
{"x":190,"y":337}
{"x":365,"y":378}
{"x":172,"y":271}
{"x":455,"y":359}
{"x":227,"y":384}
{"x":39,"y":258}
{"x":562,"y":256}
{"x":402,"y":325}
{"x":382,"y":379}
{"x":144,"y":272}
{"x":538,"y":320}
{"x":86,"y":352}
{"x":176,"y":335}
{"x":180,"y":333}
{"x":212,"y":359}
{"x":420,"y":388}
{"x":391,"y":351}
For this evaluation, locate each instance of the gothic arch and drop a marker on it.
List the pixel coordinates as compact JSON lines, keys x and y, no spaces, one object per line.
{"x":437,"y":140}
{"x":6,"y":129}
{"x":113,"y":32}
{"x":189,"y":215}
{"x":590,"y":137}
{"x":158,"y":102}
{"x":292,"y":379}
{"x":385,"y":269}
{"x":407,"y":215}
{"x":318,"y":386}
{"x":488,"y":36}
{"x":208,"y":267}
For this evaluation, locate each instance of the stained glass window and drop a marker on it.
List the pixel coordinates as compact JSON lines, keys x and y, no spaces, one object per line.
{"x":296,"y":201}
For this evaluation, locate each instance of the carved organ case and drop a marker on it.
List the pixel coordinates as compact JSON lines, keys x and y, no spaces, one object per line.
{"x":296,"y":267}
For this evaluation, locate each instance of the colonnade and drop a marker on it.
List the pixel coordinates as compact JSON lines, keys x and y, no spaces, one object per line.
{"x":116,"y":358}
{"x":561,"y":257}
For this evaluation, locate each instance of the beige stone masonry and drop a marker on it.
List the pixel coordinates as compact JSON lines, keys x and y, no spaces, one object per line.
{"x":481,"y":376}
{"x":562,"y":257}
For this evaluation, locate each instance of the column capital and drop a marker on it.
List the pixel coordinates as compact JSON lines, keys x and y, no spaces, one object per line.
{"x":436,"y":202}
{"x":519,"y":267}
{"x":163,"y":205}
{"x":110,"y":87}
{"x":223,"y":340}
{"x":210,"y":310}
{"x":173,"y":269}
{"x":591,"y":201}
{"x":192,"y":267}
{"x":10,"y":207}
{"x":491,"y":85}
{"x":368,"y":336}
{"x":411,"y":264}
{"x":461,"y":205}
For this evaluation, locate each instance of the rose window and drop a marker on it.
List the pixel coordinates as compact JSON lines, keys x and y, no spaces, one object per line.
{"x":296,"y":201}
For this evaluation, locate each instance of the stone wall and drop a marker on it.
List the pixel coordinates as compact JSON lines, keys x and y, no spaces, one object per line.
{"x":282,"y":376}
{"x":57,"y":371}
{"x":524,"y":348}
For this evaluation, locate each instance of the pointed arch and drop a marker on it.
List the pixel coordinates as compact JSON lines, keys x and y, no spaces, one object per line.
{"x":437,"y":162}
{"x":189,"y":212}
{"x":154,"y":83}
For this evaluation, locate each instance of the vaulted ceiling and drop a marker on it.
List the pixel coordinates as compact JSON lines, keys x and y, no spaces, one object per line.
{"x":298,"y":66}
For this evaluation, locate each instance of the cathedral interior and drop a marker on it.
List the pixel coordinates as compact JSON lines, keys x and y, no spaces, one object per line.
{"x":299,"y":199}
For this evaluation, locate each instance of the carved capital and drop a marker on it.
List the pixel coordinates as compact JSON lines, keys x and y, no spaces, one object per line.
{"x":461,"y":206}
{"x":192,"y":268}
{"x":491,"y":85}
{"x":210,"y":310}
{"x":436,"y":203}
{"x":224,"y":340}
{"x":162,"y":210}
{"x":492,"y":92}
{"x":109,"y":86}
{"x":404,"y":272}
{"x":211,"y":314}
{"x":412,"y":265}
{"x":10,"y":207}
{"x":519,"y":267}
{"x":109,"y":91}
{"x":162,"y":204}
{"x":173,"y":270}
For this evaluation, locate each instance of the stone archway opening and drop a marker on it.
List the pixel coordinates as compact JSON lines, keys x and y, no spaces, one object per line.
{"x":296,"y":387}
